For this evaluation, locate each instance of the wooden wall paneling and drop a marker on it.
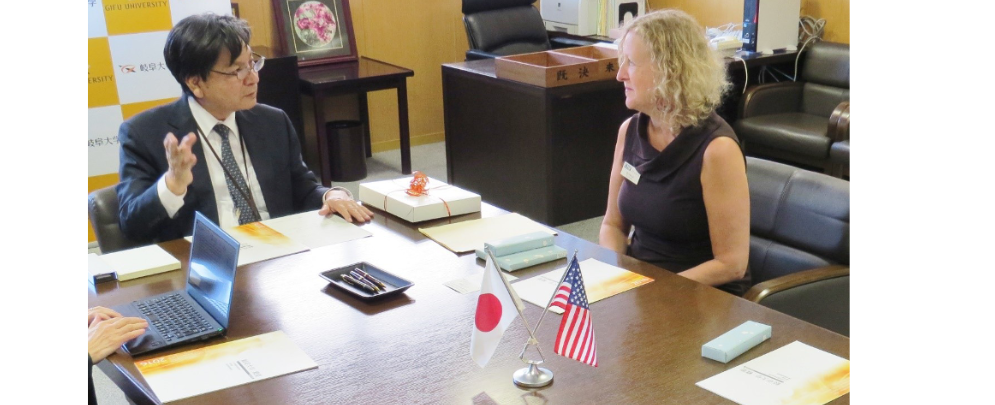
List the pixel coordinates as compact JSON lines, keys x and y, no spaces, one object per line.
{"x":413,"y":35}
{"x":359,"y":28}
{"x":388,"y":31}
{"x":713,"y":13}
{"x":259,"y":14}
{"x":709,"y":13}
{"x":837,"y":16}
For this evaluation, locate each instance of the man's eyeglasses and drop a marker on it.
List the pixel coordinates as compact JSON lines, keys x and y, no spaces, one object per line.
{"x":255,"y":64}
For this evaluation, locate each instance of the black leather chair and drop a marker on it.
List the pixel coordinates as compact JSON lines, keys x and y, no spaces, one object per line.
{"x":507,"y":27}
{"x":278,"y":87}
{"x":792,"y":121}
{"x":800,"y":243}
{"x":819,"y":296}
{"x":839,"y":151}
{"x":103,"y":207}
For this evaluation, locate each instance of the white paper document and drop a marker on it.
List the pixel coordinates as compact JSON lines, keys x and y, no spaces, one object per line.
{"x":601,"y":280}
{"x":472,"y":283}
{"x":212,"y":368}
{"x":795,"y":374}
{"x":258,"y":242}
{"x":467,"y":236}
{"x":140,"y":262}
{"x":314,"y":230}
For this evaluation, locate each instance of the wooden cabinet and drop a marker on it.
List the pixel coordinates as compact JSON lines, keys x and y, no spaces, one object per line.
{"x":545,"y":153}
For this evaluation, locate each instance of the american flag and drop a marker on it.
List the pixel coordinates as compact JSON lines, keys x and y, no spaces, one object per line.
{"x":575,"y":339}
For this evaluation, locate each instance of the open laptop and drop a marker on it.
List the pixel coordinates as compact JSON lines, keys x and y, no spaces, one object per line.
{"x":200,"y":311}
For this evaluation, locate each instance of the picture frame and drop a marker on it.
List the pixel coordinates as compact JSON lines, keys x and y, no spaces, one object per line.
{"x":318,"y":32}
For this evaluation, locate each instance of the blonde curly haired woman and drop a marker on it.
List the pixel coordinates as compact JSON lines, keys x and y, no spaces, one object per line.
{"x":679,"y":175}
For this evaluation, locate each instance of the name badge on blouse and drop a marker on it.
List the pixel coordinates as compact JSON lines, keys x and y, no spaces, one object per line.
{"x":630,"y":173}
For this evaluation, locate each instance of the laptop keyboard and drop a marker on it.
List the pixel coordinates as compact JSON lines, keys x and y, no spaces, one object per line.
{"x":173,"y":317}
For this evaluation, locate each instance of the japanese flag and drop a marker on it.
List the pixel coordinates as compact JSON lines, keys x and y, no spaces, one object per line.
{"x":495,"y":311}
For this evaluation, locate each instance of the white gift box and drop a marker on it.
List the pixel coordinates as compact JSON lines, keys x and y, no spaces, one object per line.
{"x":392,"y":196}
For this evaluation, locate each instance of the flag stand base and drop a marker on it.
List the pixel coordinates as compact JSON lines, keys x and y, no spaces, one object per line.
{"x":533,"y":376}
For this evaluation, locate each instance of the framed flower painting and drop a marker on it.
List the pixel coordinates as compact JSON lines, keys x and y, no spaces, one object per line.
{"x":317,"y":31}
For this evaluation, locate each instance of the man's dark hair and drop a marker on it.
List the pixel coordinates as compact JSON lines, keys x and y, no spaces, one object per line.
{"x":195,"y":43}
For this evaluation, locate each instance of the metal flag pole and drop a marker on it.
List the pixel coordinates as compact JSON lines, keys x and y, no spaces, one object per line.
{"x":551,"y":297}
{"x":511,"y":291}
{"x":532,"y":376}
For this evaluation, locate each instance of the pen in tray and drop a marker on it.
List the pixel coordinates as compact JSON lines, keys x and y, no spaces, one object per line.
{"x":358,"y":284}
{"x":371,"y":278}
{"x":363,"y":280}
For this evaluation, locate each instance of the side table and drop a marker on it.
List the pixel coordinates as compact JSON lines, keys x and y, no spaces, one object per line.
{"x":359,"y":77}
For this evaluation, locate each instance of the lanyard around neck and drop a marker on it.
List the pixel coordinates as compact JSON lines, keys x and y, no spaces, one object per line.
{"x":246,"y":193}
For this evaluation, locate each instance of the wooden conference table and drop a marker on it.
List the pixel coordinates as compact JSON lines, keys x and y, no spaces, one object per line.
{"x":414,"y":348}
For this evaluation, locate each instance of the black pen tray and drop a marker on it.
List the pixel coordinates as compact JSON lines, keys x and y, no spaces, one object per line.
{"x":395,"y":285}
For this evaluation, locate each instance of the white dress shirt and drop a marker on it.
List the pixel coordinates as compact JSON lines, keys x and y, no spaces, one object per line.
{"x":226,"y":206}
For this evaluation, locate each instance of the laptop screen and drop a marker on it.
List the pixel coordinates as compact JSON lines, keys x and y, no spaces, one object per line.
{"x":213,"y":259}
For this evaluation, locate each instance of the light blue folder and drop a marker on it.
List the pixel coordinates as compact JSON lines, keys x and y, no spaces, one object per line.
{"x":521,"y":243}
{"x":521,"y":260}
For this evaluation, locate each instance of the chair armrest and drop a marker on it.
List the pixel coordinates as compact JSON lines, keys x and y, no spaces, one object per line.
{"x":839,"y":122}
{"x":771,"y":98}
{"x":762,"y":290}
{"x":476,"y":54}
{"x":561,"y":42}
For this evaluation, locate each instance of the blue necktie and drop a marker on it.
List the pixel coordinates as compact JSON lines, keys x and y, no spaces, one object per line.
{"x":242,"y":208}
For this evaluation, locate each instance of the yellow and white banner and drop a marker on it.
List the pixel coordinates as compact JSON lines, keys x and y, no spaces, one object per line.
{"x":126,"y":71}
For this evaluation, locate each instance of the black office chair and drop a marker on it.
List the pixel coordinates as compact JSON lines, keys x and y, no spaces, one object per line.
{"x":819,"y":296}
{"x":279,"y":87}
{"x":839,"y":151}
{"x":792,"y":121}
{"x":103,"y":208}
{"x":507,"y":27}
{"x":800,"y":243}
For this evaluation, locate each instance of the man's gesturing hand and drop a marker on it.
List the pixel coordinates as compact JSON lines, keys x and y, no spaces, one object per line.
{"x":181,"y":160}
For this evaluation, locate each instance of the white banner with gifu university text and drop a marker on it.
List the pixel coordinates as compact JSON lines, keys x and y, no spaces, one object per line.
{"x":126,"y":72}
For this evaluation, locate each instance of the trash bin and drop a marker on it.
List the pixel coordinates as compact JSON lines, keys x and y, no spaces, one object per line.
{"x":346,"y":150}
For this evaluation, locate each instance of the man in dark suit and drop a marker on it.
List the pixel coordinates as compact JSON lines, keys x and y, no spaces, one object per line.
{"x":239,"y":161}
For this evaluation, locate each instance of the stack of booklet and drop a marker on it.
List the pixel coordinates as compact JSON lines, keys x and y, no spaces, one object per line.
{"x":130,"y":264}
{"x":519,"y":252}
